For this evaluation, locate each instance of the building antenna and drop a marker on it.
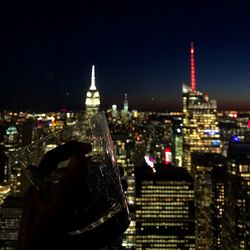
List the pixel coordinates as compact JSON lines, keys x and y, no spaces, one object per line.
{"x":193,"y":81}
{"x":93,"y":87}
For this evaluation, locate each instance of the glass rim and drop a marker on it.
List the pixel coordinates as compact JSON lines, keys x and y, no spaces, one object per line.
{"x":79,"y":122}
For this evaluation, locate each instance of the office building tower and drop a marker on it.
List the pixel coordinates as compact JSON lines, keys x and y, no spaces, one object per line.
{"x":27,"y":132}
{"x":11,"y":144}
{"x":124,"y":112}
{"x":11,"y":139}
{"x":164,"y":208}
{"x":3,"y":165}
{"x":242,"y":130}
{"x":10,"y":214}
{"x":218,"y":204}
{"x":209,"y":171}
{"x":114,"y":111}
{"x":200,"y":125}
{"x":228,"y":129}
{"x":121,"y":141}
{"x":236,"y":233}
{"x":177,"y":139}
{"x":92,"y":101}
{"x":125,"y":104}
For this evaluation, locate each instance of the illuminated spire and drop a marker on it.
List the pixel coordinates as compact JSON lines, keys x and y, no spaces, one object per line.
{"x":193,"y":81}
{"x":93,"y":87}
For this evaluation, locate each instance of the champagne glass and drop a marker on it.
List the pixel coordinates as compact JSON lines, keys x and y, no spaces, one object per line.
{"x":106,"y":214}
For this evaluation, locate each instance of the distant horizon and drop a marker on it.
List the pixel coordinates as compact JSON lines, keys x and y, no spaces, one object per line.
{"x":76,"y":110}
{"x":144,"y":104}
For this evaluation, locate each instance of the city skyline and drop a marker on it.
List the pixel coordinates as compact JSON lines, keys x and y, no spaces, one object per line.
{"x":46,"y":61}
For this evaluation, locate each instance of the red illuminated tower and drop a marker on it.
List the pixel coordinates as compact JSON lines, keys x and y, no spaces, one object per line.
{"x":193,"y":81}
{"x":200,"y":126}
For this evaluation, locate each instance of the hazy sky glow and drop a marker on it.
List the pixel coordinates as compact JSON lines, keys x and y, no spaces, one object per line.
{"x":139,"y":49}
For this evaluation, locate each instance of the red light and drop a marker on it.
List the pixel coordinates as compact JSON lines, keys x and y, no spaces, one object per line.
{"x":193,"y":81}
{"x":248,"y":124}
{"x":167,"y":149}
{"x":167,"y":156}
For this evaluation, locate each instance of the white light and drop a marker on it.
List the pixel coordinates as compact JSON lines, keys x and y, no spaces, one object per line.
{"x":93,"y":87}
{"x":149,"y":161}
{"x":88,"y":101}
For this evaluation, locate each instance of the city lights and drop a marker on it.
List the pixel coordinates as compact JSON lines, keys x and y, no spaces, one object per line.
{"x":187,"y":172}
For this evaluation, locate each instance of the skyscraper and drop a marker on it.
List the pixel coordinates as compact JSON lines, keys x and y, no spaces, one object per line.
{"x":92,"y":101}
{"x":125,"y":104}
{"x":10,"y":214}
{"x":236,"y":233}
{"x":200,"y":125}
{"x":164,"y":208}
{"x":209,"y":172}
{"x":124,"y":112}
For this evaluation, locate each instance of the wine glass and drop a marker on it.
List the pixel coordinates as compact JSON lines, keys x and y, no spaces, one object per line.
{"x":106,"y":214}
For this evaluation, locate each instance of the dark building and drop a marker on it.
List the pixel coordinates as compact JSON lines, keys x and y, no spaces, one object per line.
{"x":27,"y":132}
{"x":209,"y":174}
{"x":10,"y":214}
{"x":3,"y":165}
{"x":164,"y":208}
{"x":218,"y":204}
{"x":237,"y":195}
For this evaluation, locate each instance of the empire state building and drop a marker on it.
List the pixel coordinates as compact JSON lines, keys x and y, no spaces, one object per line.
{"x":92,"y":101}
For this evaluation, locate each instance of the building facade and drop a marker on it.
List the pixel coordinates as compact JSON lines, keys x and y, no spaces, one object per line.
{"x":236,"y":232}
{"x":209,"y":171}
{"x":200,"y":125}
{"x":164,"y":208}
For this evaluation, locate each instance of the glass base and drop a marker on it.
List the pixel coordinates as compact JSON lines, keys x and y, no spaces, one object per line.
{"x":101,"y":232}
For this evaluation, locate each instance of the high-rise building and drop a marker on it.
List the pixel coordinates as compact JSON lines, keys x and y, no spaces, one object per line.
{"x":200,"y":125}
{"x":124,"y":148}
{"x":3,"y":165}
{"x":124,"y":112}
{"x":114,"y":111}
{"x":10,"y":214}
{"x":92,"y":101}
{"x":164,"y":208}
{"x":11,"y":144}
{"x":121,"y":142}
{"x":177,"y":139}
{"x":209,"y":171}
{"x":236,"y":233}
{"x":125,"y":104}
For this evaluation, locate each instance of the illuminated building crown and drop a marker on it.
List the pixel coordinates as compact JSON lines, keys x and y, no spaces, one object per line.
{"x":92,"y":101}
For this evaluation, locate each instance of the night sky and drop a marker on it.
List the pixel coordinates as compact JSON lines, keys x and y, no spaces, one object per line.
{"x":142,"y":49}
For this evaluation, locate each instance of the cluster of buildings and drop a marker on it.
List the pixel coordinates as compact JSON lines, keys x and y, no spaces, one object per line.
{"x":188,"y":172}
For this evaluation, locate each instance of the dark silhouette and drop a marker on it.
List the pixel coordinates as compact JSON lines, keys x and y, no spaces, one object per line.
{"x":44,"y":221}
